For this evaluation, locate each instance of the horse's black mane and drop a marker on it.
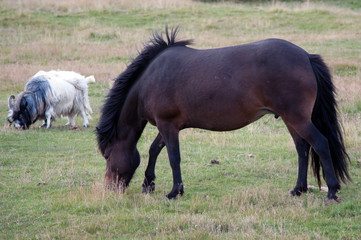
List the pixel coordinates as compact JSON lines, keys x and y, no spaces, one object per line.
{"x":107,"y":127}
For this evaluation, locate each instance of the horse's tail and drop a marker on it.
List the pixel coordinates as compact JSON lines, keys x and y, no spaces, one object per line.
{"x":324,"y":117}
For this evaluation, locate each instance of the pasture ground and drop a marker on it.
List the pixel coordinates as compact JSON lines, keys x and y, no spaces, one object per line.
{"x":51,"y":181}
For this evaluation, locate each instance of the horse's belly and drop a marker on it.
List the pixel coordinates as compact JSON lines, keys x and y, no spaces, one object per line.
{"x":224,"y":121}
{"x":216,"y":115}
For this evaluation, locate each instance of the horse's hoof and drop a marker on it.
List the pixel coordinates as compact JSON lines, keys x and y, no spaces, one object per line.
{"x":296,"y":193}
{"x":86,"y":125}
{"x":148,"y":188}
{"x":174,"y":195}
{"x":332,"y":200}
{"x":171,"y":196}
{"x":176,"y":192}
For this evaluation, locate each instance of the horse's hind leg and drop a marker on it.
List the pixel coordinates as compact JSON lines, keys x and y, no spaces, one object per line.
{"x":156,"y":147}
{"x":303,"y":149}
{"x":319,"y":143}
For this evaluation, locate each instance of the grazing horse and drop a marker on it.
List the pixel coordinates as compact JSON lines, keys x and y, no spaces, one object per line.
{"x":175,"y":87}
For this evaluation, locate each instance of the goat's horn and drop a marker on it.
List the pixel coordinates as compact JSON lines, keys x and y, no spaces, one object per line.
{"x":10,"y":104}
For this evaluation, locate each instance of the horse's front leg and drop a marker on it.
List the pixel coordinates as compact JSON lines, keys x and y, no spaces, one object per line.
{"x":170,"y":136}
{"x":156,"y":147}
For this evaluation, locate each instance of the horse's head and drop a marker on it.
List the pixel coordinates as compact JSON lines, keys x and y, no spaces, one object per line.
{"x":121,"y":164}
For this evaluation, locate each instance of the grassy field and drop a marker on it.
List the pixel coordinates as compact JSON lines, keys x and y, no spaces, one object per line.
{"x":51,"y":181}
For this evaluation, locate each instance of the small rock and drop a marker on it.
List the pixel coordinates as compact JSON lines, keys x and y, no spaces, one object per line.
{"x":74,"y":128}
{"x":250,"y":155}
{"x":215,"y":161}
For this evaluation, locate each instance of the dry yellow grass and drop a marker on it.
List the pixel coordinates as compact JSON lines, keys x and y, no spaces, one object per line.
{"x":74,"y":51}
{"x":95,"y":5}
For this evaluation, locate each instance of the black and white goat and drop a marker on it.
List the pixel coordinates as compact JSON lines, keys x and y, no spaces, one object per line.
{"x":49,"y":95}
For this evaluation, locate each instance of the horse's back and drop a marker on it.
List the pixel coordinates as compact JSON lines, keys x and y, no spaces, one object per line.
{"x":226,"y":88}
{"x":257,"y":59}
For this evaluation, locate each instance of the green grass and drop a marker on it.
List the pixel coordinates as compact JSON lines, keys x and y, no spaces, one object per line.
{"x":51,"y":181}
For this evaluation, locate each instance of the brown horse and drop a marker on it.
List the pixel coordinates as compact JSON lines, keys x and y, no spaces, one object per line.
{"x":175,"y":87}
